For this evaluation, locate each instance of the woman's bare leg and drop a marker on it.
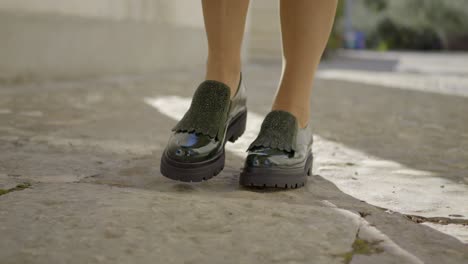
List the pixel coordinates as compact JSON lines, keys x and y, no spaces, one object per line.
{"x":305,"y":26}
{"x":224,"y":24}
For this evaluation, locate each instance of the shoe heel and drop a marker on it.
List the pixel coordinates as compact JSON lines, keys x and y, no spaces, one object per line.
{"x":237,"y":127}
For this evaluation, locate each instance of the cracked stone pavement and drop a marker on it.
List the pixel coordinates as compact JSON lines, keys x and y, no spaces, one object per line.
{"x":79,"y":170}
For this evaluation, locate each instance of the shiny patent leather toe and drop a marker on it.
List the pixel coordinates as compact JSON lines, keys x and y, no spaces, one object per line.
{"x":281,"y":156}
{"x":195,"y":150}
{"x":192,"y":147}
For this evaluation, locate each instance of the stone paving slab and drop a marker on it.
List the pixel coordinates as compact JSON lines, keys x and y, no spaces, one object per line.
{"x":91,"y":149}
{"x":88,"y":223}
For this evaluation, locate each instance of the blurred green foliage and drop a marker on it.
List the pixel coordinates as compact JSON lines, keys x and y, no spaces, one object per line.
{"x":413,"y":24}
{"x":389,"y":35}
{"x":336,"y":37}
{"x":376,"y":5}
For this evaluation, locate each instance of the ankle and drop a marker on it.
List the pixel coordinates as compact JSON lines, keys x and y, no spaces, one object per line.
{"x":225,"y":72}
{"x":302,"y":114}
{"x":232,"y":81}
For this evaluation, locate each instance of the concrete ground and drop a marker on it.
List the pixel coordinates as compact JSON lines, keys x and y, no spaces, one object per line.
{"x":80,"y":180}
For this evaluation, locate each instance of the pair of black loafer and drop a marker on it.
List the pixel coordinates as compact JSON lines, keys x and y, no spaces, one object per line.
{"x":281,"y":155}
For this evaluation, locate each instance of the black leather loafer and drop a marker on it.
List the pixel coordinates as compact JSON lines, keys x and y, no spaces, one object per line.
{"x":195,"y":151}
{"x":281,"y":156}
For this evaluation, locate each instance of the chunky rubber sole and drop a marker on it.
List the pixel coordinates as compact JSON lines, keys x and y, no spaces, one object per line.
{"x":277,"y":178}
{"x":202,"y":171}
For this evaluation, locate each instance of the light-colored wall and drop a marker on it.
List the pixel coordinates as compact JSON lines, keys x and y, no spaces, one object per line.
{"x":103,"y":9}
{"x":44,"y":39}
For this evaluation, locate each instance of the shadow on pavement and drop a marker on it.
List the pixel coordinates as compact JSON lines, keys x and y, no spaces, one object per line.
{"x":424,"y":131}
{"x":421,"y":130}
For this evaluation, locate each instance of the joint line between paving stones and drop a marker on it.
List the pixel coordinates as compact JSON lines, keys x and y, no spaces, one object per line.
{"x":422,"y":219}
{"x":19,"y":187}
{"x":379,"y":238}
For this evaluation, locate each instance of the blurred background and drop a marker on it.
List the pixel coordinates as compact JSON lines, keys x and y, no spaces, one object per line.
{"x":75,"y":38}
{"x":402,"y":25}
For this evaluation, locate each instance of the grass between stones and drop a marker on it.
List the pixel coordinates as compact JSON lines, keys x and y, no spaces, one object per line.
{"x":18,"y":187}
{"x":361,"y":247}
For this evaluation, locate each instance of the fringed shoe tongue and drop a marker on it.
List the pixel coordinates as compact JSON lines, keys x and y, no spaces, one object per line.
{"x":278,"y":131}
{"x":208,"y":111}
